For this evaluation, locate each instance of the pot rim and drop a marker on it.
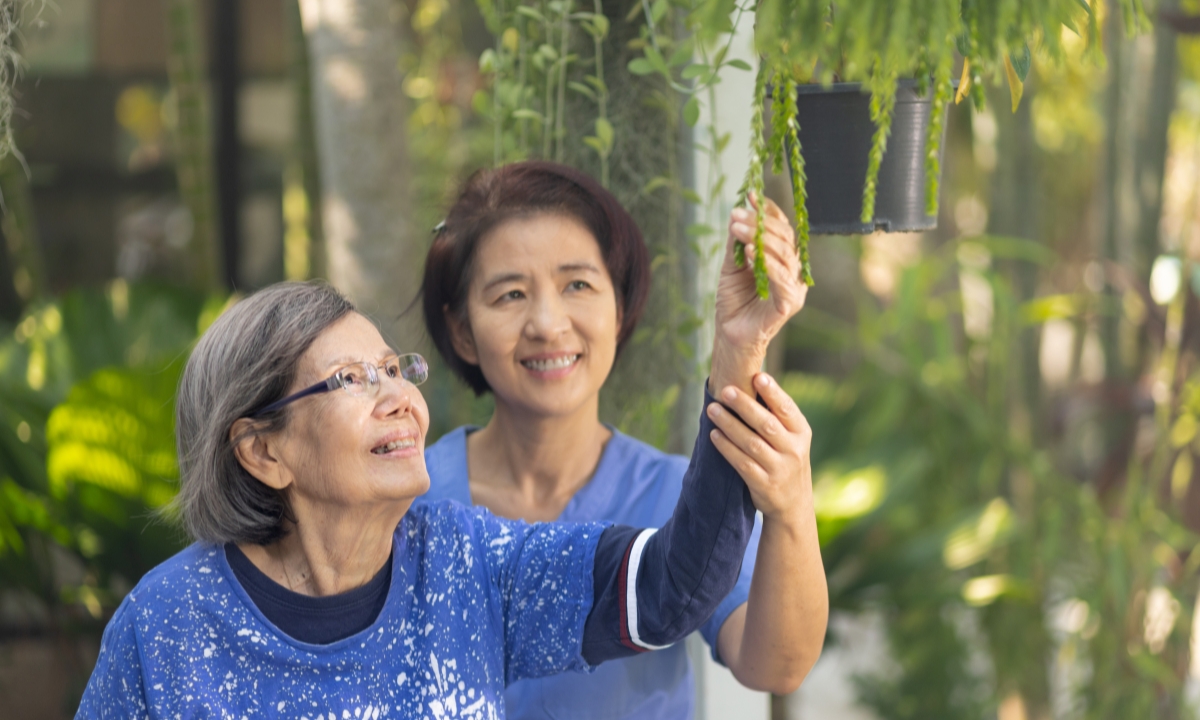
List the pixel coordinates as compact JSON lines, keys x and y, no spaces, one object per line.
{"x":906,"y":90}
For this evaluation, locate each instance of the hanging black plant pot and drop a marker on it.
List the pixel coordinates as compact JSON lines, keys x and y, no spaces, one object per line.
{"x":835,"y":139}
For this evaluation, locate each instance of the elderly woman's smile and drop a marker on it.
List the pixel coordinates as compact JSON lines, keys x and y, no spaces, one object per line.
{"x":397,"y":444}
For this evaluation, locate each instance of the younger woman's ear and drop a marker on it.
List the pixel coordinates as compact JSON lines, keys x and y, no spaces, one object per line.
{"x":256,"y":453}
{"x":461,"y":336}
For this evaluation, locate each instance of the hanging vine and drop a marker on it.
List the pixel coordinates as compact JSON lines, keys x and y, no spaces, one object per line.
{"x":534,"y":63}
{"x":877,"y":42}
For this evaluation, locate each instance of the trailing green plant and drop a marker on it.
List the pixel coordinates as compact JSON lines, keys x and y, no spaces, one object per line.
{"x":531,"y":66}
{"x":10,"y":69}
{"x":877,"y":42}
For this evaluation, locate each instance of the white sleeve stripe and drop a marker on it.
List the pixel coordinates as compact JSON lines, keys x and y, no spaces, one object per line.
{"x":631,"y":606}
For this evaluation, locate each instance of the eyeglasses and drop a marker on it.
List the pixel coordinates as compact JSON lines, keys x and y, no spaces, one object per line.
{"x":360,"y":379}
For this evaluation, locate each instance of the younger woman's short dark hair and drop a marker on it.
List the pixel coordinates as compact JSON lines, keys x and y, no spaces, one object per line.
{"x":520,"y":190}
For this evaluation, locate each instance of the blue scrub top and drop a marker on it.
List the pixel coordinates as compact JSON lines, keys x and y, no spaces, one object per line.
{"x":634,"y":484}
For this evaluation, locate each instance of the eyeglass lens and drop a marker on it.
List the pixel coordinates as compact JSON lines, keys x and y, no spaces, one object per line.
{"x":361,"y":378}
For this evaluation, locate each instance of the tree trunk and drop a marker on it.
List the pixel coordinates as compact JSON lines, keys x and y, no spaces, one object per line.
{"x":372,"y":251}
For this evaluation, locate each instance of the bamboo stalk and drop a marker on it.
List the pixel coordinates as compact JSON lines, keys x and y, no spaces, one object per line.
{"x":192,"y":137}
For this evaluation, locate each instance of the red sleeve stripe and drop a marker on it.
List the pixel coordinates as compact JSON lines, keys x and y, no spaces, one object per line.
{"x":628,"y":579}
{"x":622,"y":574}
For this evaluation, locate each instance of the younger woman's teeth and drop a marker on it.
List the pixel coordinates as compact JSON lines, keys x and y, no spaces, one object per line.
{"x":395,"y":445}
{"x":558,"y":363}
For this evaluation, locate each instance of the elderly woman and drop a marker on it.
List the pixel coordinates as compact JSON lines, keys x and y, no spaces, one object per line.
{"x":315,"y":589}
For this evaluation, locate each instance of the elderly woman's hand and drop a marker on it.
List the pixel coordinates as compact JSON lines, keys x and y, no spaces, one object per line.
{"x":745,"y":323}
{"x":768,"y":446}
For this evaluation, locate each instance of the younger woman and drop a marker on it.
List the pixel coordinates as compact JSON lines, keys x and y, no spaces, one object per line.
{"x":533,"y":284}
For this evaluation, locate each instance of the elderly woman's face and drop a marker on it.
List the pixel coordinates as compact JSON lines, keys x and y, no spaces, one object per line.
{"x":349,"y":450}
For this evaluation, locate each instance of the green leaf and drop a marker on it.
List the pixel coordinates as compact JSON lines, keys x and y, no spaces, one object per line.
{"x":488,"y":62}
{"x":594,"y":143}
{"x":723,"y":141}
{"x":604,"y":131}
{"x":530,"y":13}
{"x":1021,"y":61}
{"x":963,"y":43}
{"x":658,"y":10}
{"x":656,"y":60}
{"x":691,"y":111}
{"x":527,"y":114}
{"x":597,"y":83}
{"x":683,"y":54}
{"x":656,"y":183}
{"x":1085,"y":5}
{"x":582,"y":89}
{"x":694,"y":70}
{"x":548,"y":52}
{"x":699,"y":230}
{"x":602,"y":25}
{"x":481,"y":102}
{"x":739,"y":64}
{"x":692,"y":196}
{"x":641,"y":66}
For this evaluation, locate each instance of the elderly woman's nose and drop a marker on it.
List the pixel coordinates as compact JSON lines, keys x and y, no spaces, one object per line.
{"x":548,"y":317}
{"x":395,"y":395}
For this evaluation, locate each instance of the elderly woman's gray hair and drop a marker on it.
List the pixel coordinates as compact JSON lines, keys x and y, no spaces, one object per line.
{"x":245,"y":361}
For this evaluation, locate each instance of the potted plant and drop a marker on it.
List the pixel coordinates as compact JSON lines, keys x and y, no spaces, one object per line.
{"x":845,"y":75}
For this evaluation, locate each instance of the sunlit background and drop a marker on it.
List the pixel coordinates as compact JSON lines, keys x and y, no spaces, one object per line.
{"x":1006,"y":409}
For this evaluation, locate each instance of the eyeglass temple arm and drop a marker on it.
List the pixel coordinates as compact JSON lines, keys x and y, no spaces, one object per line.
{"x":323,"y":386}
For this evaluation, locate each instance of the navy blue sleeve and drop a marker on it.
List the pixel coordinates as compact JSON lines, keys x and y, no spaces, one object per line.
{"x":653,"y":588}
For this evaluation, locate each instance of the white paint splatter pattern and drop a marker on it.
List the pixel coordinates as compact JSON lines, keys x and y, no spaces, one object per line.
{"x":476,"y":602}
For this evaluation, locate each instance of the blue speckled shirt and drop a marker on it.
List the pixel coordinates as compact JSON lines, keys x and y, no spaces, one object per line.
{"x":187,"y":641}
{"x":634,"y":484}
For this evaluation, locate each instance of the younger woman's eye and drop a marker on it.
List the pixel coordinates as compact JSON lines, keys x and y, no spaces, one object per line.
{"x":579,"y":285}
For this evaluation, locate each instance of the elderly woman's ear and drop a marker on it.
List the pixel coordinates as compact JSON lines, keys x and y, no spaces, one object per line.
{"x":256,"y":453}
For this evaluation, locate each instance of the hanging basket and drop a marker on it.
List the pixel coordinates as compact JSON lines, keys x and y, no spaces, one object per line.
{"x":835,"y":139}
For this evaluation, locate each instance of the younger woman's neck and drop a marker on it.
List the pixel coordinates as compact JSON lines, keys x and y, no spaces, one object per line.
{"x":529,"y":466}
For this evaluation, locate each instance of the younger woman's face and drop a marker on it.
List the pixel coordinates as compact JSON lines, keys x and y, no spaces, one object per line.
{"x":542,"y":317}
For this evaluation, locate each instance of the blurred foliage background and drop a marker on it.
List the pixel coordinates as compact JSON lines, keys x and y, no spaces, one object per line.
{"x":1006,"y":409}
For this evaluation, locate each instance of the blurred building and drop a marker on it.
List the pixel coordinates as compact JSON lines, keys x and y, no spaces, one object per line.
{"x":94,"y":121}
